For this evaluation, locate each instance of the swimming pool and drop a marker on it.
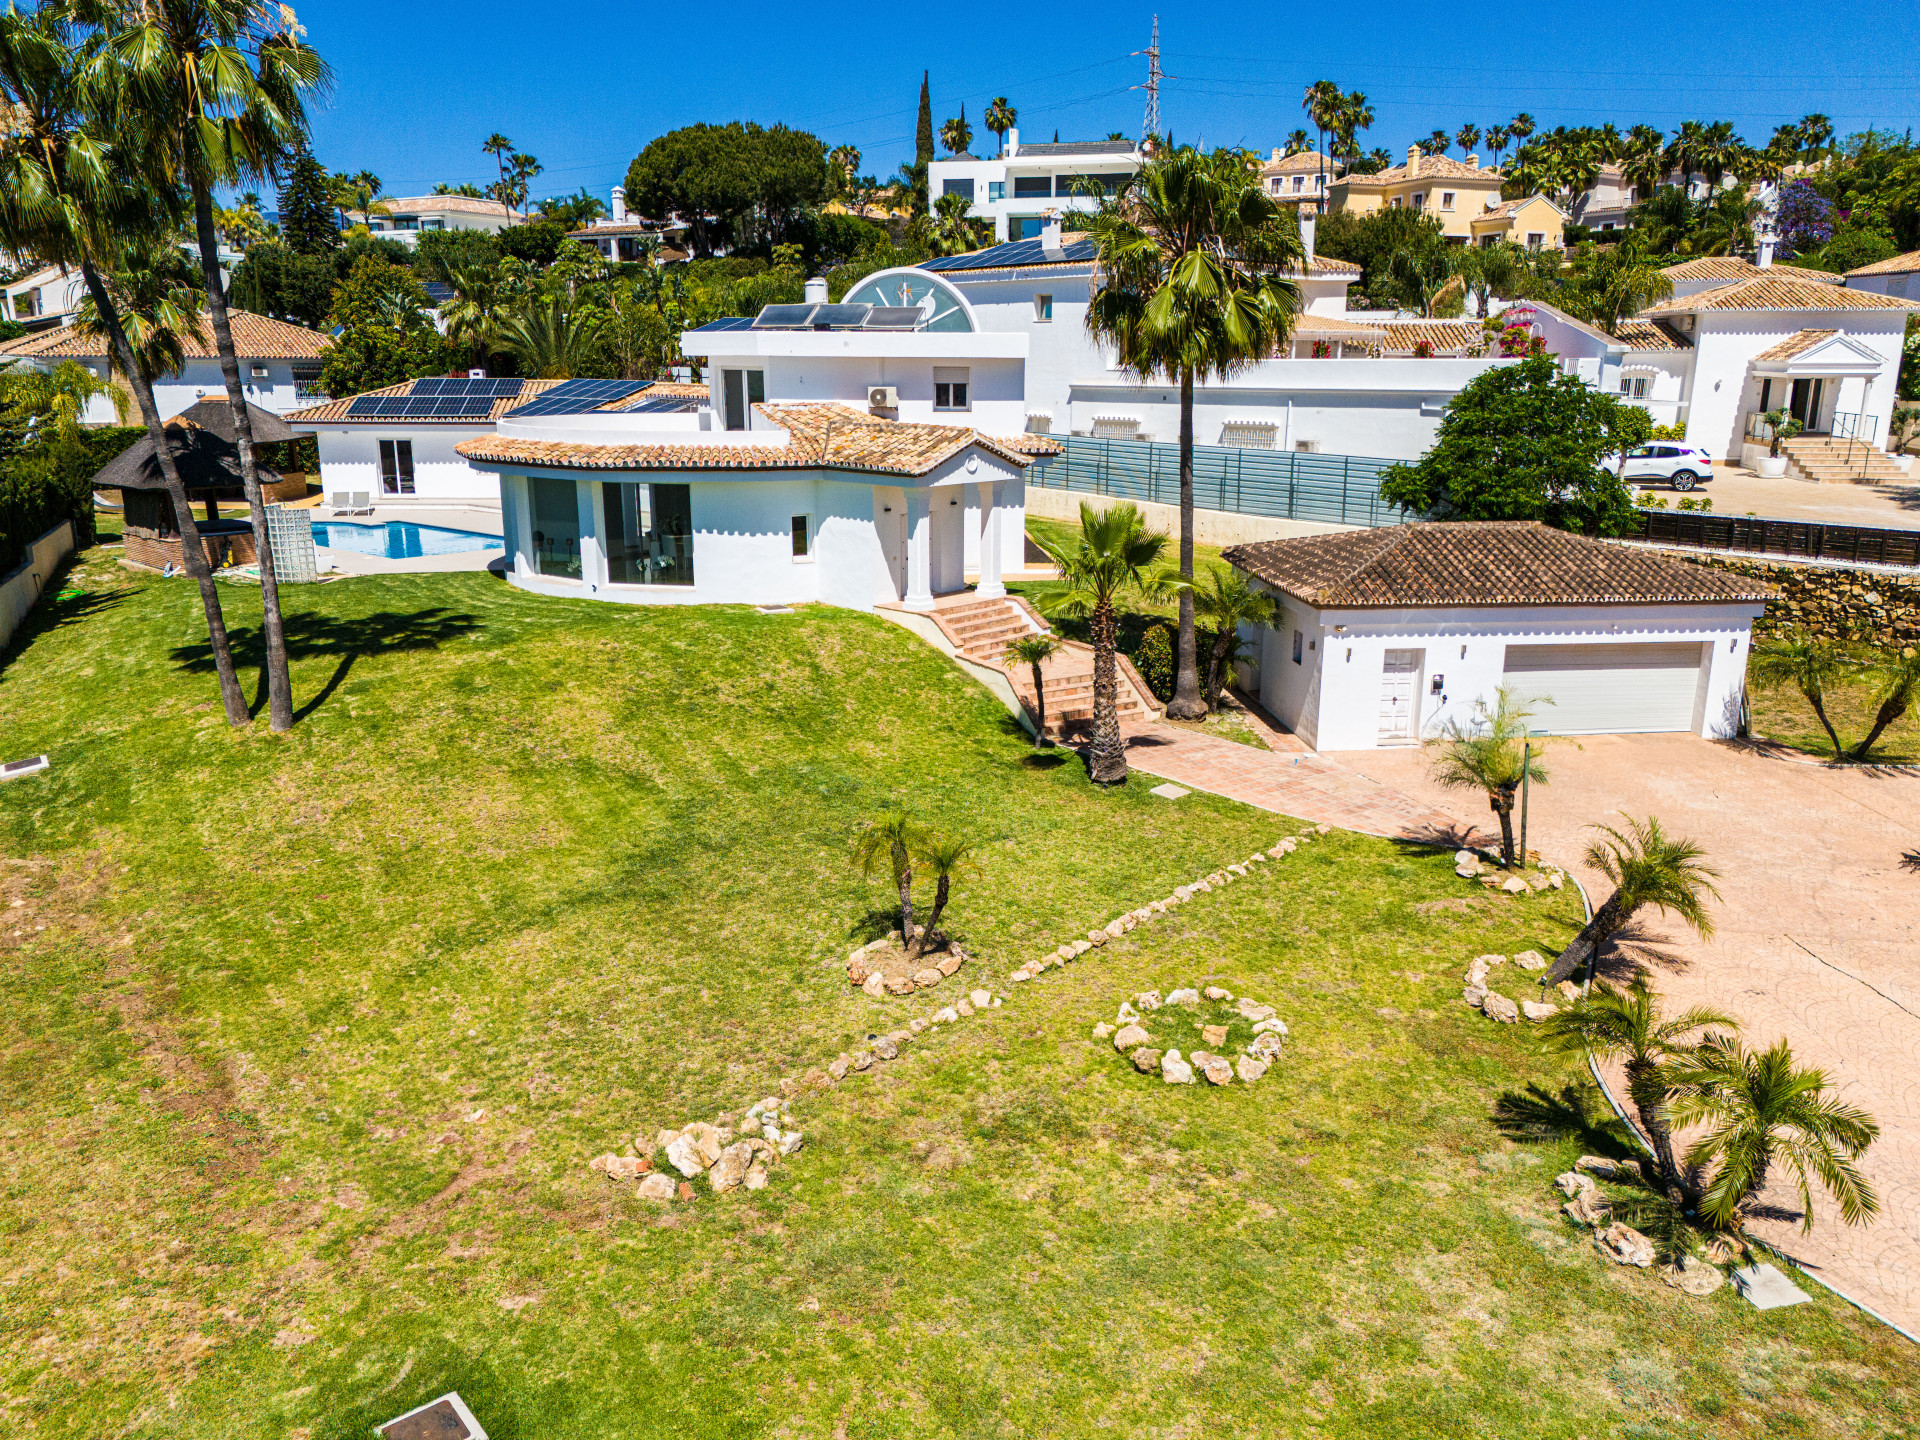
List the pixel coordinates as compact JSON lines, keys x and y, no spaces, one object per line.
{"x":401,"y":539}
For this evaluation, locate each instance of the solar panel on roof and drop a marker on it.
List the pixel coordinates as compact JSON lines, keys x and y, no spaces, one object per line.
{"x":784,"y":317}
{"x":660,"y":405}
{"x":893,"y":317}
{"x":572,"y":397}
{"x":732,"y":322}
{"x":839,"y":316}
{"x":1013,"y":253}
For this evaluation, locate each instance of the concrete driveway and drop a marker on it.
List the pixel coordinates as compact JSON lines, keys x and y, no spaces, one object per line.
{"x":1817,"y":938}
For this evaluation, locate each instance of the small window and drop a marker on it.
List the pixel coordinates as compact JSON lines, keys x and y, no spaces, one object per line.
{"x":1419,"y":201}
{"x":740,"y":391}
{"x":996,"y":190}
{"x":1446,"y":199}
{"x":1042,"y":308}
{"x":1299,"y":183}
{"x":1033,"y":185}
{"x":950,"y":387}
{"x":802,"y":546}
{"x":1634,"y":387}
{"x":1298,"y":638}
{"x":1536,"y":240}
{"x":1274,"y":184}
{"x":396,"y":467}
{"x":957,"y":187}
{"x":433,"y":223}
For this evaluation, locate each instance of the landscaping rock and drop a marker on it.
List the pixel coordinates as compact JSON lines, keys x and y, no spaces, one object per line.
{"x":1607,"y":1169}
{"x":1589,"y":1208}
{"x":684,"y":1190}
{"x":1536,"y":1011}
{"x":1214,"y":1034}
{"x":839,"y":1067}
{"x":947,"y":964}
{"x":731,"y":1168}
{"x":791,"y":1142}
{"x":1265,"y":1047}
{"x":1556,"y":880}
{"x":1624,"y":1245}
{"x":900,"y":985}
{"x":945,"y":1015}
{"x":1182,"y":893}
{"x":863,"y":1061}
{"x":917,"y":1025}
{"x":980,"y":998}
{"x":1474,"y":995}
{"x":1201,"y":887}
{"x":885,"y":1049}
{"x":927,"y":979}
{"x":1465,"y":857}
{"x":1538,"y":881}
{"x":1146,"y":1060}
{"x":1096,"y":938}
{"x":963,"y":1007}
{"x":1219,"y":877}
{"x":1692,"y":1276}
{"x":1323,"y":829}
{"x":875,"y":985}
{"x":1080,"y":947}
{"x":1214,"y":992}
{"x":1569,"y":992}
{"x":1499,"y":1007}
{"x":1488,"y":959}
{"x":1530,"y":960}
{"x":756,"y":1178}
{"x":1249,"y":1069}
{"x":599,"y":1162}
{"x":1174,"y":1070}
{"x":1251,"y":1009}
{"x":1128,"y":1015}
{"x":1477,"y":973}
{"x":1237,"y":870}
{"x":1148,"y":999}
{"x":1115,"y":929}
{"x":1130,"y":1037}
{"x":1183,"y":997}
{"x":1102,"y":1030}
{"x":1574,"y":1182}
{"x":1270,"y":1024}
{"x":684,"y":1155}
{"x":1215,"y":1068}
{"x":857,"y":968}
{"x":657,"y":1186}
{"x":1514,"y":885}
{"x":1259,"y":857}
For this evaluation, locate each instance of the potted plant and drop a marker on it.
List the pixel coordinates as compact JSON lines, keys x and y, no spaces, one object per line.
{"x":1783,"y":427}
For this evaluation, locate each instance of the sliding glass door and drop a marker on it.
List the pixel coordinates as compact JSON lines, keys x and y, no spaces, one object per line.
{"x":649,"y":534}
{"x":556,"y":526}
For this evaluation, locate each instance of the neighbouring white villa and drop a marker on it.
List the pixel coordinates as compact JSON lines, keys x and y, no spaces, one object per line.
{"x":46,"y":297}
{"x":1898,"y":276}
{"x":408,"y":215}
{"x":279,"y":365}
{"x":1383,"y":636}
{"x":1016,"y":189}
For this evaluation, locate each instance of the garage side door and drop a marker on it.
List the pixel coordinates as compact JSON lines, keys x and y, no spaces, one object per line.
{"x":1607,"y":689}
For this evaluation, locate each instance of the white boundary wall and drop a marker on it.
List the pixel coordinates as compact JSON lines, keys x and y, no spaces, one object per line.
{"x":21,"y":591}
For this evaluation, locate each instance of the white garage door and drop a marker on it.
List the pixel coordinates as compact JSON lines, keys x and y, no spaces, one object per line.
{"x":1607,"y":689}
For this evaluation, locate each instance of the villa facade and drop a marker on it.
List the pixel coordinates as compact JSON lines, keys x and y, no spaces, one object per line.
{"x":1013,"y":191}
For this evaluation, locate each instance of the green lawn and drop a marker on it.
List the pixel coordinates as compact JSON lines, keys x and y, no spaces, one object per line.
{"x":1783,"y":714}
{"x":304,"y":1070}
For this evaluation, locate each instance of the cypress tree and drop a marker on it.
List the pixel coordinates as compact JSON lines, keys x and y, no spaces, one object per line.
{"x":307,"y":218}
{"x":923,"y":131}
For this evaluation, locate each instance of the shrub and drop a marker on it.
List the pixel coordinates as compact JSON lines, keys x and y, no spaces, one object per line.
{"x":1668,"y":432}
{"x":1154,"y":661}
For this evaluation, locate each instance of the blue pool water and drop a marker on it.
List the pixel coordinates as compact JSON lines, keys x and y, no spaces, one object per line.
{"x":401,"y":539}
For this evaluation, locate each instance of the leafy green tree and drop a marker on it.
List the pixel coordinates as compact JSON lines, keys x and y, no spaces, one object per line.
{"x":1647,"y":866}
{"x":387,"y":335}
{"x":1033,"y":651}
{"x":741,"y":180}
{"x":1195,"y":266}
{"x":309,"y":224}
{"x":1761,"y":1110}
{"x":573,"y":212}
{"x":1223,"y":603}
{"x":950,"y":228}
{"x":1489,"y":753}
{"x":1154,"y":661}
{"x":1808,"y":664}
{"x":1113,"y":554}
{"x":552,"y":339}
{"x":1626,"y":1025}
{"x":537,"y":242}
{"x":1372,"y":241}
{"x":439,"y":253}
{"x":1611,"y":285}
{"x":1524,"y":442}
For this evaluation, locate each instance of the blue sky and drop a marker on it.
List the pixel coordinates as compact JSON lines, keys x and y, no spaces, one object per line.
{"x":420,"y":83}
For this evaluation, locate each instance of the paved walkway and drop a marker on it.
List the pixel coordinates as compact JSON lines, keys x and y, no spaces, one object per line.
{"x":1817,"y":938}
{"x":1290,"y":781}
{"x":1741,"y":492}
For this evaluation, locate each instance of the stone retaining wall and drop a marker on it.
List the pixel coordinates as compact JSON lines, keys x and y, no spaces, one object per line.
{"x":1859,"y":605}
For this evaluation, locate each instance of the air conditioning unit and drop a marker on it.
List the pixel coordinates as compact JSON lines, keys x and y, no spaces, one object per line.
{"x":260,"y":372}
{"x":883,"y":397}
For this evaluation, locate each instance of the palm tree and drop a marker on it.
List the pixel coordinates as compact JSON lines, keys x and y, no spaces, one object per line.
{"x":1489,"y":270}
{"x":222,"y":86}
{"x":1032,"y":651}
{"x":477,"y":311}
{"x":1717,"y":149}
{"x":1620,"y":282}
{"x":1643,"y":160}
{"x":68,"y":197}
{"x":1498,"y":138}
{"x":949,"y":228}
{"x":1899,"y":681}
{"x":1436,"y":143}
{"x":1001,"y":117}
{"x":956,"y":134}
{"x":1669,"y":219}
{"x":1626,"y":1025}
{"x":520,"y":172}
{"x":1193,"y":263}
{"x":1322,"y":103}
{"x":896,"y":837}
{"x":1355,"y":115}
{"x":158,"y":297}
{"x":1419,"y":275}
{"x":1490,"y":754}
{"x":1224,"y":604}
{"x":500,"y":147}
{"x":1297,"y":141}
{"x":1467,"y":136}
{"x":1816,"y":134}
{"x":945,"y":858}
{"x":1520,"y":127}
{"x":844,"y":167}
{"x":1647,"y":867}
{"x":551,"y":339}
{"x":1684,"y":150}
{"x":1726,"y":228}
{"x":1762,"y":1110}
{"x":1809,"y":665}
{"x":1114,"y":553}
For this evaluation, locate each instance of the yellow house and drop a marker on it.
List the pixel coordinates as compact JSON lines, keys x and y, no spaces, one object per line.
{"x":1451,"y":192}
{"x":1535,"y":222}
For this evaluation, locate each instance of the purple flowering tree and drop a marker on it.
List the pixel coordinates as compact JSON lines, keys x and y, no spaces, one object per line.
{"x":1803,"y":218}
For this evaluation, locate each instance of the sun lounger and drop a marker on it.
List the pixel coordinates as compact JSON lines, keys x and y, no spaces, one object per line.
{"x":342,"y":502}
{"x":362,"y":502}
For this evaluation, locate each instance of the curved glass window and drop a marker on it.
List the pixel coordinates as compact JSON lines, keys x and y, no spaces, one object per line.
{"x":940,"y":308}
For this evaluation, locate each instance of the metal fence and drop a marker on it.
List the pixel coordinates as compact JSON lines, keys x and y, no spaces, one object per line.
{"x":1283,"y":484}
{"x":1802,"y":539}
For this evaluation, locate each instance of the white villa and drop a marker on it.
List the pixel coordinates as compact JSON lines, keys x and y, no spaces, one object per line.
{"x":1016,"y":189}
{"x":408,"y":215}
{"x":1301,"y":177}
{"x":48,"y":296}
{"x":1898,"y":276}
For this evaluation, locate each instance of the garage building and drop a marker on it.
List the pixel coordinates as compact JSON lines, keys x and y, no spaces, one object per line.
{"x":1382,"y":636}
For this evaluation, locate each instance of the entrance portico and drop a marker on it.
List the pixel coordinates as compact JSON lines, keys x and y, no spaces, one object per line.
{"x":934,"y":539}
{"x":1823,"y":379}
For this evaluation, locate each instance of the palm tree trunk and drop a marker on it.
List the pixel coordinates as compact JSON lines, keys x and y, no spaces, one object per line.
{"x":903,"y":877}
{"x":1819,"y":703}
{"x":1187,"y":703}
{"x":193,"y":552}
{"x":1216,"y":659}
{"x":1040,"y":708}
{"x":1501,"y":803}
{"x":1891,"y":711}
{"x":279,"y":688}
{"x":939,"y":904}
{"x":1649,"y":1102}
{"x":1595,"y":933}
{"x":1107,"y":762}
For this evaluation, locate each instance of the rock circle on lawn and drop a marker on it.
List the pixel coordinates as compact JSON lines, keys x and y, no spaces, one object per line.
{"x":882,"y":967}
{"x":728,"y":1158}
{"x":1133,"y":1038}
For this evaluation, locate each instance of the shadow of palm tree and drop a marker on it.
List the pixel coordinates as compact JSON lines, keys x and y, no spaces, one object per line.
{"x":1539,"y":1115}
{"x":348,"y":638}
{"x":1910,"y":860}
{"x":1046,"y":759}
{"x":1637,"y":946}
{"x":1428,"y":836}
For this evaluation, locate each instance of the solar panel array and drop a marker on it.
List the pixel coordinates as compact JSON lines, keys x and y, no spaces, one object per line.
{"x":449,"y":398}
{"x":1015,"y":252}
{"x":836,"y":317}
{"x":645,"y":404}
{"x":732,"y":322}
{"x":574,"y":397}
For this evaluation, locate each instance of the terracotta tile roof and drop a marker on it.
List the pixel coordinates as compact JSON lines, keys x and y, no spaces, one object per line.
{"x":1306,"y":160}
{"x":633,"y":227}
{"x":820,"y":437}
{"x":1651,"y":335}
{"x":1732,"y":267}
{"x":1906,"y":264}
{"x":333,"y":410}
{"x":1432,"y":167}
{"x":448,"y":204}
{"x":1795,"y":343}
{"x":1443,"y":335}
{"x":1506,"y":562}
{"x":1328,"y":265}
{"x":1764,"y":292}
{"x":1336,"y":327}
{"x":254,"y":336}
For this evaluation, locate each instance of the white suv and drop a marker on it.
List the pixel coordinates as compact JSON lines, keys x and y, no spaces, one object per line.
{"x":1683,"y":465}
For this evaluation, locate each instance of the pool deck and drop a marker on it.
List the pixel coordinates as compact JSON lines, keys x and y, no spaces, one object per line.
{"x":481,"y":519}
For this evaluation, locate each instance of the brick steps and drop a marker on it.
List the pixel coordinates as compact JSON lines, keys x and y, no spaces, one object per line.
{"x":1825,"y":460}
{"x":981,"y":630}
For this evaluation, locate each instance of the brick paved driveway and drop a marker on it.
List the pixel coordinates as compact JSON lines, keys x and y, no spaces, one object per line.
{"x":1817,"y":939}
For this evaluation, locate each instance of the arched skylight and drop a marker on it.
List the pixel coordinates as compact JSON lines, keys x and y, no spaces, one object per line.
{"x":935,"y":300}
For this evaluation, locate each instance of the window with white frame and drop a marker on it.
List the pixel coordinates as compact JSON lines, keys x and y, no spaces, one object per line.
{"x":996,"y":190}
{"x":1635,"y":387}
{"x":1299,"y":183}
{"x":1419,"y":200}
{"x":1446,"y":199}
{"x":396,"y":467}
{"x":1274,"y":184}
{"x":1042,"y":309}
{"x":1116,"y":427}
{"x":950,"y":387}
{"x":1536,"y":240}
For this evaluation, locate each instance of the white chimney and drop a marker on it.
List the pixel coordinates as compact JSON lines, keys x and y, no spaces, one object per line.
{"x":619,"y":211}
{"x":1766,"y":252}
{"x":1309,"y":222}
{"x":1473,"y":162}
{"x":1413,"y":162}
{"x":1013,"y":143}
{"x":1050,"y":235}
{"x":816,"y":291}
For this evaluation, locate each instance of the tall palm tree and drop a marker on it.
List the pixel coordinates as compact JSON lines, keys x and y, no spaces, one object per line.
{"x":1684,"y":150}
{"x":1646,"y":866}
{"x":1467,"y":136}
{"x":1297,"y":140}
{"x":1762,"y":1110}
{"x":521,"y":170}
{"x":1322,"y":102}
{"x":1193,"y":267}
{"x":945,"y":858}
{"x":477,"y":311}
{"x":1489,"y":270}
{"x":157,"y":294}
{"x":1726,"y":227}
{"x":1498,"y":138}
{"x":1113,"y":554}
{"x":1620,"y":282}
{"x":552,"y":339}
{"x":1811,"y":666}
{"x":1626,"y":1025}
{"x":1224,"y":604}
{"x":956,"y":134}
{"x":1718,"y":148}
{"x":1355,"y":116}
{"x":1420,"y":275}
{"x":1489,"y":753}
{"x":222,"y":85}
{"x":1520,"y":127}
{"x":894,"y":837}
{"x":1033,"y":652}
{"x":1642,"y":160}
{"x":69,"y":196}
{"x":1436,"y":143}
{"x":1001,"y":117}
{"x":500,"y":147}
{"x":1899,"y":681}
{"x":1816,"y":134}
{"x":950,"y":227}
{"x":844,"y":166}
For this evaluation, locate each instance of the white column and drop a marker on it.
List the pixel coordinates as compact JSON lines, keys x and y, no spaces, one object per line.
{"x":919,"y":551}
{"x":990,"y":587}
{"x":593,"y":558}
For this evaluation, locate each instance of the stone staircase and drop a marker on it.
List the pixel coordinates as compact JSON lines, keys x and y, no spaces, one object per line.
{"x":981,"y":630}
{"x":1824,"y":460}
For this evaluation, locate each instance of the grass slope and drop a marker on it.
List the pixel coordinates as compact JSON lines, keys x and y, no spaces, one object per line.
{"x":304,"y":1069}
